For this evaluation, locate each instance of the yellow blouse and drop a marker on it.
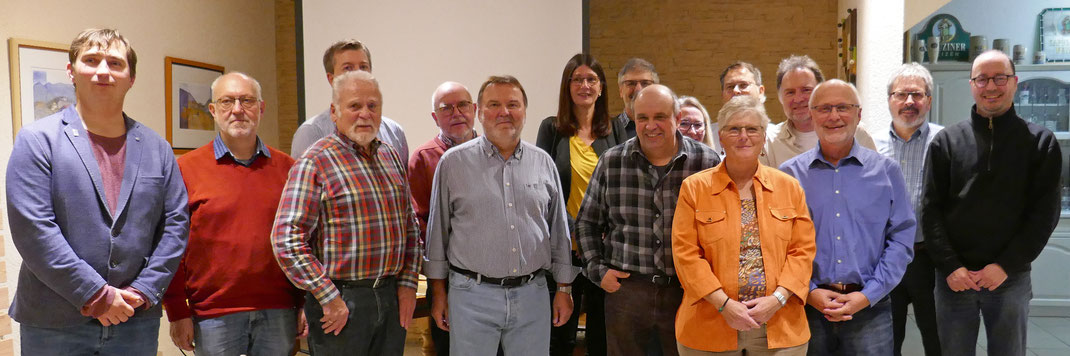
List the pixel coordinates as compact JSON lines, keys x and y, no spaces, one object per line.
{"x":582,"y":159}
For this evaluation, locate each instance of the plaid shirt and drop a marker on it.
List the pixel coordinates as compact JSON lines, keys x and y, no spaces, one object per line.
{"x":632,"y":208}
{"x":345,"y":214}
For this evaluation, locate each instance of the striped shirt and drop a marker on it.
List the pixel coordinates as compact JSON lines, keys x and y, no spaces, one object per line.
{"x":498,"y":217}
{"x":345,"y":214}
{"x":632,"y":207}
{"x":220,"y":149}
{"x":910,"y":154}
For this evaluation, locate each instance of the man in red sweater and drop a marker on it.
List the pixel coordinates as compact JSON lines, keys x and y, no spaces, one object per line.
{"x":229,"y":296}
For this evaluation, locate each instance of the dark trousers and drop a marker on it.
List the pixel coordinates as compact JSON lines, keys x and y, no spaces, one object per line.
{"x":592,"y":300}
{"x":1005,"y":311}
{"x":869,"y":332}
{"x":439,"y":337}
{"x":639,"y":313}
{"x":917,"y":288}
{"x":373,"y":327}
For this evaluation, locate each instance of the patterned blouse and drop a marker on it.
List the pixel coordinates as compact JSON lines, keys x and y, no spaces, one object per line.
{"x":751,"y":268}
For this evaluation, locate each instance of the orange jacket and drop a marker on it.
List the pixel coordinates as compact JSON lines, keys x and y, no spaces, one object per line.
{"x":706,"y":235}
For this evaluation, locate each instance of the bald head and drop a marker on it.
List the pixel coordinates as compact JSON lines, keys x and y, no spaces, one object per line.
{"x":445,"y":89}
{"x":656,"y":121}
{"x":993,"y":83}
{"x":658,"y":93}
{"x":236,"y":76}
{"x":453,"y":111}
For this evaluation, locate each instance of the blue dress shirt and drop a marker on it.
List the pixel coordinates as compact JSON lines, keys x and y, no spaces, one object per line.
{"x":863,"y":217}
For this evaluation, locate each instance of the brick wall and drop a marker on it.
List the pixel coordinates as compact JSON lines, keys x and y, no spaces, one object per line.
{"x":691,"y":41}
{"x":286,"y":71}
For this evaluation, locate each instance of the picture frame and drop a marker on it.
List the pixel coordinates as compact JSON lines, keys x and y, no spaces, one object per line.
{"x":188,"y":91}
{"x":40,"y":85}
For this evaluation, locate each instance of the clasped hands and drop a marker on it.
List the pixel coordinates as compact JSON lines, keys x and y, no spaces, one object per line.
{"x":836,"y":306}
{"x":990,"y":277}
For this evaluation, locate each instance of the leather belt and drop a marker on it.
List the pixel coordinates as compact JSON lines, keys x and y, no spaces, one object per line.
{"x":659,"y":280}
{"x":842,"y":288}
{"x":504,"y":282}
{"x":364,"y":283}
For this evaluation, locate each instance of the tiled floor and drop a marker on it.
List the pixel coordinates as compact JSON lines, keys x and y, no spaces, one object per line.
{"x":1048,"y":336}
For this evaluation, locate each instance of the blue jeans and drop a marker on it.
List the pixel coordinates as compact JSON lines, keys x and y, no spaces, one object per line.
{"x":135,"y":337}
{"x":1005,"y":310}
{"x":868,"y":333}
{"x":373,"y":328}
{"x":483,"y":315}
{"x":257,"y":332}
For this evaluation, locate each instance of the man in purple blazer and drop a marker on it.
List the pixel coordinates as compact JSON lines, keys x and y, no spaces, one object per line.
{"x":97,"y":210}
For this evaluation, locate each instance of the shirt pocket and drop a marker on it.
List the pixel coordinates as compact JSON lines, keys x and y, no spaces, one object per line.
{"x":710,"y":225}
{"x":783,"y":222}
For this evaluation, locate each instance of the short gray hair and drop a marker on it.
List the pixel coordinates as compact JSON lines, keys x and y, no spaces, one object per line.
{"x":690,"y":101}
{"x":256,"y":84}
{"x":637,"y":64}
{"x":912,"y":70}
{"x":742,"y":104}
{"x":349,"y":77}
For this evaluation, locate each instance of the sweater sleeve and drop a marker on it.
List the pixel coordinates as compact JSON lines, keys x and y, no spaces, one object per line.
{"x":934,"y":203}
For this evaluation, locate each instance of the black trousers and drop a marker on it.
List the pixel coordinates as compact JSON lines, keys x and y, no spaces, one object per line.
{"x":917,"y":288}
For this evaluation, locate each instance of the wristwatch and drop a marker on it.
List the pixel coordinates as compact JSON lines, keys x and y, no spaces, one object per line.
{"x":783,"y":299}
{"x":565,"y":289}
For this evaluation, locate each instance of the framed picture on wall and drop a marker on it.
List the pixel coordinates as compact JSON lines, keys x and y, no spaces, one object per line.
{"x":40,"y":85}
{"x":188,"y":86}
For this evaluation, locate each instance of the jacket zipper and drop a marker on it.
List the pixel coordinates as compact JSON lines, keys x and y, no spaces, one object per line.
{"x":991,"y":143}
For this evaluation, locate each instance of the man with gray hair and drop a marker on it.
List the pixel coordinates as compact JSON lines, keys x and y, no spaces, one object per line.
{"x":796,"y":78}
{"x":636,"y":74}
{"x":229,"y":296}
{"x":340,"y":57}
{"x":864,"y":229}
{"x":624,"y":225}
{"x":906,"y":141}
{"x":345,"y":230}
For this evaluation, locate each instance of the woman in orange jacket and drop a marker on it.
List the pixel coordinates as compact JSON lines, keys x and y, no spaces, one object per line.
{"x":743,"y":246}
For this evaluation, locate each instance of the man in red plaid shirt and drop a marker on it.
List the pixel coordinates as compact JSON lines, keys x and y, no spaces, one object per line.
{"x":346,"y":232}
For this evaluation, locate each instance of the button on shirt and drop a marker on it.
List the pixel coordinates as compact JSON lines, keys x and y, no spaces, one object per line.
{"x":220,"y":149}
{"x":632,"y":207}
{"x":862,"y":214}
{"x":345,"y":214}
{"x":497,"y":217}
{"x":910,"y":154}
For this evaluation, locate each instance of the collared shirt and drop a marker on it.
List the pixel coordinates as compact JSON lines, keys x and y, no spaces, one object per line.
{"x":861,"y":210}
{"x":627,"y":123}
{"x":422,"y":166}
{"x":497,"y":217}
{"x":345,"y":214}
{"x":782,"y":142}
{"x":910,"y":154}
{"x":321,"y":126}
{"x":220,"y":149}
{"x":632,"y":208}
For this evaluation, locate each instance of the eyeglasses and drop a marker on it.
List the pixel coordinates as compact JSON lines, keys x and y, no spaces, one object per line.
{"x":463,"y":106}
{"x":982,"y":81}
{"x":633,"y":83}
{"x":579,"y":81}
{"x":902,"y":95}
{"x":841,"y":108}
{"x":227,"y":103}
{"x":741,"y":86}
{"x":735,"y":131}
{"x":692,"y":126}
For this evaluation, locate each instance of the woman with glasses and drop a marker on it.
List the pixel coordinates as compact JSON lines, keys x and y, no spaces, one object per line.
{"x":743,"y":247}
{"x":575,"y":138}
{"x":695,"y":122}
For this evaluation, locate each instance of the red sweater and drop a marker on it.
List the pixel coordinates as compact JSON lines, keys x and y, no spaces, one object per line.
{"x":229,"y":265}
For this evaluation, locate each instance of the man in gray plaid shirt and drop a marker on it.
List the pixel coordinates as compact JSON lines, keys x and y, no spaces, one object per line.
{"x":624,"y":225}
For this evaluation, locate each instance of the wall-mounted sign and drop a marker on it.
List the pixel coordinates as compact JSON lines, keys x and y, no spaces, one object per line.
{"x":954,"y":40}
{"x":1055,"y":34}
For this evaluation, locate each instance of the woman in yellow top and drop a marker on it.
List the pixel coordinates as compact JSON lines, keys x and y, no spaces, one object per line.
{"x":743,"y":247}
{"x":580,"y":132}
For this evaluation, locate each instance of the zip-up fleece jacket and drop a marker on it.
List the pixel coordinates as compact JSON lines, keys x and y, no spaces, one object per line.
{"x":991,"y":194}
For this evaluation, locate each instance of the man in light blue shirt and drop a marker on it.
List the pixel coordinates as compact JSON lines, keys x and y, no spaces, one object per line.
{"x":341,"y":57}
{"x":865,"y":229}
{"x":906,"y":141}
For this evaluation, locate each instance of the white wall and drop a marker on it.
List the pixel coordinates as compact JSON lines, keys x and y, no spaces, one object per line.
{"x":880,"y":51}
{"x":237,"y":34}
{"x":417,"y":45}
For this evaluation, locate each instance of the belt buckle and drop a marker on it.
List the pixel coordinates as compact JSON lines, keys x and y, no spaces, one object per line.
{"x":654,"y":279}
{"x":376,"y":283}
{"x":840,"y":286}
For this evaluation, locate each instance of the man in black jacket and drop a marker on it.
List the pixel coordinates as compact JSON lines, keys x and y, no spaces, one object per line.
{"x":990,"y":203}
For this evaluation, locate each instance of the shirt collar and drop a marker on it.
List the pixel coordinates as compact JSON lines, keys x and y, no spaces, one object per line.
{"x":449,"y":142}
{"x":490,"y":149}
{"x":817,"y":156}
{"x":922,"y":131}
{"x":373,"y":148}
{"x":720,"y":179}
{"x":631,"y":147}
{"x":220,"y":148}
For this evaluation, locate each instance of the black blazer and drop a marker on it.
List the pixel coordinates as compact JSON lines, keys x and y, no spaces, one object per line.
{"x":553,"y":143}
